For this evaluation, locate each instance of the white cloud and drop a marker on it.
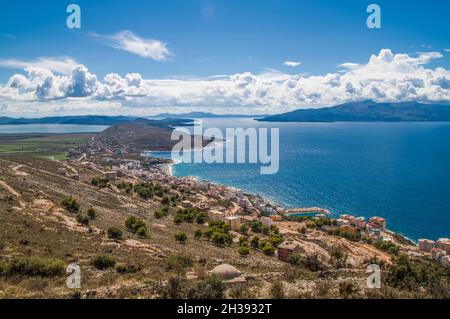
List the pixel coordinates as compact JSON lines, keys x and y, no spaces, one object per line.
{"x":349,"y":65}
{"x":385,"y":77}
{"x":62,"y":65}
{"x":130,"y":42}
{"x":447,"y":50}
{"x":292,"y":64}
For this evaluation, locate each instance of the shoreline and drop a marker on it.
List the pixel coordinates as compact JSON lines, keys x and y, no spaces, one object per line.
{"x":306,"y":211}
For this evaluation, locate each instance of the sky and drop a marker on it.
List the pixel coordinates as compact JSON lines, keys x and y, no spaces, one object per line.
{"x":223,"y":56}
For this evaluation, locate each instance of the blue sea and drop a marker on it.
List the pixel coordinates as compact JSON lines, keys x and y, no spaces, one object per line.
{"x":400,"y":171}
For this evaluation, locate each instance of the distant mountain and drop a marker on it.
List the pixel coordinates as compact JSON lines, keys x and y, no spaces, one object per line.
{"x":111,"y":120}
{"x":204,"y":115}
{"x":81,"y":120}
{"x":368,"y":111}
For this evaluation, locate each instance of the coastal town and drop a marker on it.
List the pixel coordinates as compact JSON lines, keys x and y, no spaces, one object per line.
{"x":115,"y":161}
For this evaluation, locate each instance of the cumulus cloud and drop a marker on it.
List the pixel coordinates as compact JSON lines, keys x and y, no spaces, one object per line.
{"x":128,"y":41}
{"x":385,"y":77}
{"x":62,"y":65}
{"x":292,"y":64}
{"x":447,"y":50}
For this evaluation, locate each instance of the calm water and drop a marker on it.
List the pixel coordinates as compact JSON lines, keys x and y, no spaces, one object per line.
{"x":400,"y":171}
{"x":51,"y":128}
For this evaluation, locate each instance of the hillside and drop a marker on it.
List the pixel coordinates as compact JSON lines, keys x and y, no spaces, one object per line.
{"x":368,"y":111}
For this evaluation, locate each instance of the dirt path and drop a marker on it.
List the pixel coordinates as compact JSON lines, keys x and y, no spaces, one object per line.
{"x":13,"y":192}
{"x":16,"y":170}
{"x":9,"y":189}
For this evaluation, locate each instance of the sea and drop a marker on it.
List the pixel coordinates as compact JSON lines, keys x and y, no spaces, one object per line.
{"x":399,"y":171}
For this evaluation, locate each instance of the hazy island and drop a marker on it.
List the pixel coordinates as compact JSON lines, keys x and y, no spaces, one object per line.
{"x":368,"y":111}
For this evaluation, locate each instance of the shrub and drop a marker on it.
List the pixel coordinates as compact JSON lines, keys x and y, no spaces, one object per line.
{"x":313,"y":263}
{"x":338,"y":257}
{"x":257,"y":227}
{"x":387,"y":246}
{"x":83,"y":219}
{"x":145,"y":190}
{"x":277,"y":290}
{"x":295,"y":259}
{"x":174,"y":289}
{"x":181,"y":237}
{"x":267,"y":248}
{"x":91,"y":213}
{"x":198,"y":234}
{"x":114,"y":233}
{"x":254,"y":242}
{"x":347,"y":289}
{"x":103,"y":261}
{"x":70,"y":204}
{"x":189,"y":216}
{"x":179,"y":262}
{"x":128,"y":268}
{"x":244,"y":229}
{"x":165,"y":200}
{"x":142,"y":232}
{"x":137,"y":226}
{"x":210,"y":288}
{"x":35,"y":266}
{"x":161,"y":213}
{"x":218,"y":233}
{"x":127,"y":187}
{"x":100,"y":182}
{"x":276,"y":239}
{"x":244,"y":250}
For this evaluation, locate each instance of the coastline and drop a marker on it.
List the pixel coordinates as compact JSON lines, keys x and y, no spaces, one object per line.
{"x":308,"y":211}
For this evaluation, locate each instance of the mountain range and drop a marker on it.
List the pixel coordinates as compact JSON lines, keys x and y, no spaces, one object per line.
{"x":368,"y":111}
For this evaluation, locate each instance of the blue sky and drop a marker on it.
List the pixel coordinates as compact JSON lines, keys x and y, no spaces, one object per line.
{"x":222,"y":37}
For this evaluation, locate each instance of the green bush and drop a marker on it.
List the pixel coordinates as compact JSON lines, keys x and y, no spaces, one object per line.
{"x":137,"y":226}
{"x":179,"y":262}
{"x":244,"y":250}
{"x":161,"y":213}
{"x":210,"y":288}
{"x":128,"y":268}
{"x":387,"y":246}
{"x":70,"y":204}
{"x":142,"y":232}
{"x":103,"y":261}
{"x":100,"y":182}
{"x":295,"y":259}
{"x":254,"y":242}
{"x":267,"y":249}
{"x":114,"y":233}
{"x":91,"y":213}
{"x":181,"y":237}
{"x":127,"y":187}
{"x":35,"y":266}
{"x":313,"y":263}
{"x":83,"y":219}
{"x":198,"y":234}
{"x":189,"y":216}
